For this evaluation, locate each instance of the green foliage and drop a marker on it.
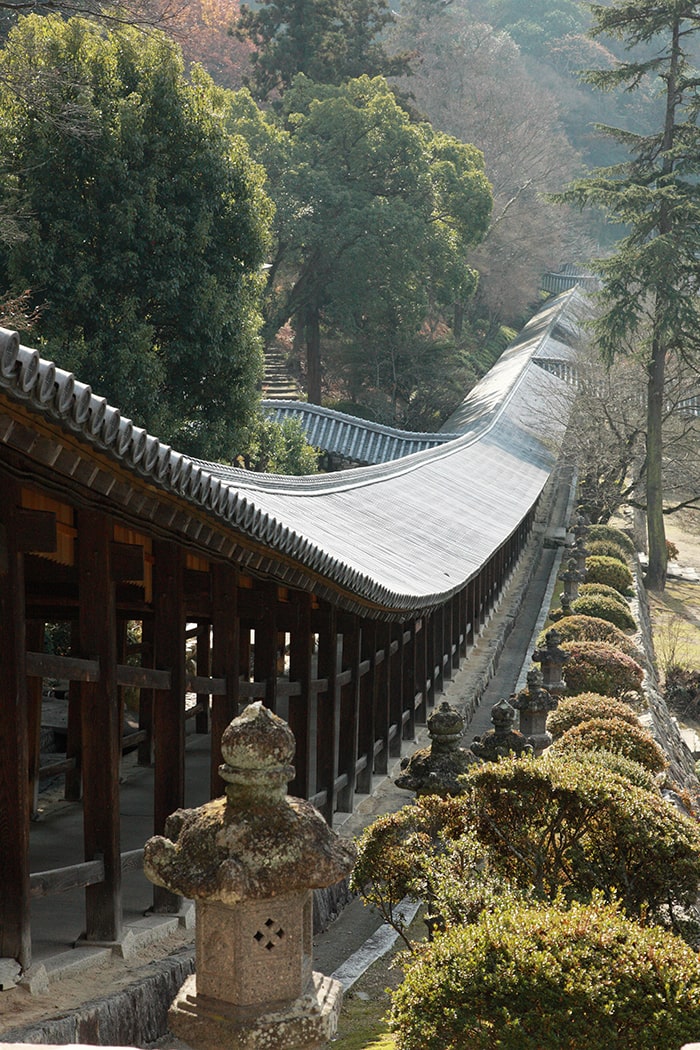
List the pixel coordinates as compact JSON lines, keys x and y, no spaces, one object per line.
{"x":618,"y":764}
{"x":560,"y":825}
{"x":534,"y":978}
{"x":604,"y":608}
{"x":580,"y":628}
{"x":598,"y":667}
{"x":611,"y":534}
{"x":573,"y":710}
{"x":600,"y":569}
{"x":281,"y":448}
{"x":616,"y":735}
{"x":145,"y":227}
{"x":326,"y":40}
{"x":602,"y":588}
{"x":606,"y":549}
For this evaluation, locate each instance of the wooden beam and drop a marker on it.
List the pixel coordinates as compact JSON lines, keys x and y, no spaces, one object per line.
{"x":15,"y":935}
{"x":169,"y":705}
{"x":100,"y":725}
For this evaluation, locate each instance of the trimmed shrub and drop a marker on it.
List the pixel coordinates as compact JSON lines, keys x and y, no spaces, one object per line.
{"x":598,"y":667}
{"x":591,"y":629}
{"x":573,"y":710}
{"x":612,"y":535}
{"x":605,"y":609}
{"x":616,"y":735}
{"x":606,"y":549}
{"x":558,"y":825}
{"x":610,"y":571}
{"x":623,"y":767}
{"x":601,"y":588}
{"x":534,"y":978}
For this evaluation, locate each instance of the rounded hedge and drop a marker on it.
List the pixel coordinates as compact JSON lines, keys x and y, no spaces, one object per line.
{"x":607,"y":550}
{"x":616,"y":735}
{"x":544,"y":978}
{"x":573,"y":710}
{"x":591,"y":629}
{"x":600,"y":569}
{"x":626,"y":768}
{"x":605,"y":609}
{"x":598,"y":667}
{"x":611,"y":534}
{"x":602,"y":588}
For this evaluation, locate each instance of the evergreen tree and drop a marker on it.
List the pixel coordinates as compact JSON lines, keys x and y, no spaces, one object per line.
{"x":327,"y":40}
{"x":649,"y":302}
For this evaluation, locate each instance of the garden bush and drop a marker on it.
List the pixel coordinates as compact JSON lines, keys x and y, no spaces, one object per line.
{"x":559,"y":825}
{"x":605,"y":609}
{"x":610,"y":571}
{"x":591,"y":629}
{"x":548,"y":978}
{"x":573,"y":710}
{"x":611,"y":534}
{"x":616,"y":735}
{"x":601,"y":588}
{"x":598,"y":667}
{"x":626,"y":768}
{"x":606,"y":549}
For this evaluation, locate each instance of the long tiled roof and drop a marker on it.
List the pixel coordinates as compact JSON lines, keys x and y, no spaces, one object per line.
{"x":392,"y":538}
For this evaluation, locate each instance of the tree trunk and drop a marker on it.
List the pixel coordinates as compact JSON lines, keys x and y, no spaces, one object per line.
{"x":312,"y":327}
{"x":658,"y":556}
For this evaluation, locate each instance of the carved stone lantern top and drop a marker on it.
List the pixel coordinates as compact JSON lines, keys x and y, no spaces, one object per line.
{"x":502,"y":740}
{"x":571,"y":573}
{"x":550,"y":654}
{"x":436,"y":770}
{"x":255,"y":842}
{"x":534,"y":698}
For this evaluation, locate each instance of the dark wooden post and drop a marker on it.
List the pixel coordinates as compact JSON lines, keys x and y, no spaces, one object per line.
{"x":382,"y":705}
{"x":421,"y":669}
{"x":74,"y":734}
{"x":463,"y":614}
{"x":367,"y":724}
{"x":447,"y":638}
{"x":226,"y":654}
{"x":429,"y":628}
{"x":349,"y":712}
{"x":266,"y":644}
{"x":328,"y":711}
{"x":302,"y":708}
{"x":35,"y":644}
{"x":100,"y":725}
{"x":146,"y":696}
{"x":456,"y":604}
{"x":15,"y":935}
{"x":408,"y":687}
{"x":438,"y":650}
{"x":169,"y":705}
{"x":396,"y":694}
{"x":201,"y":719}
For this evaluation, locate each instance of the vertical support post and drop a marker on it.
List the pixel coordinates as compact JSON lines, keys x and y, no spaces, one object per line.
{"x":438,"y":650}
{"x":146,"y":696}
{"x":302,"y":708}
{"x":35,"y":644}
{"x":74,"y":735}
{"x":328,"y":711}
{"x":367,"y":725}
{"x":408,"y":687}
{"x":430,"y":691}
{"x":201,"y":719}
{"x":421,"y":669}
{"x":395,"y":685}
{"x":382,"y":705}
{"x":15,"y":934}
{"x":266,"y":644}
{"x":169,"y":705}
{"x":226,"y":661}
{"x":350,"y":712}
{"x":100,"y":725}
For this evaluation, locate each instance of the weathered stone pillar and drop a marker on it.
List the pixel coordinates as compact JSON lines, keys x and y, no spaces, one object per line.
{"x":571,"y":577}
{"x":580,"y":554}
{"x":552,"y":660}
{"x":534,"y":704}
{"x":435,"y":770}
{"x":250,"y":860}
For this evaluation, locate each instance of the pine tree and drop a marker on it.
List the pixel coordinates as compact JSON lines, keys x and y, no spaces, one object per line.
{"x":649,"y":301}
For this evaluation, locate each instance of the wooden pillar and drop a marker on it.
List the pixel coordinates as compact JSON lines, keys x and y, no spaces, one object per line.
{"x":430,"y":660}
{"x":266,"y":644}
{"x":396,"y":695}
{"x":408,"y":687}
{"x":146,"y":696}
{"x":201,"y":719}
{"x":456,"y":604}
{"x":463,"y":606}
{"x":100,"y":725}
{"x":169,"y":705}
{"x":367,"y":725}
{"x":421,"y":669}
{"x":328,"y":711}
{"x":382,"y":702}
{"x":438,"y":650}
{"x":349,"y":712}
{"x":74,"y":734}
{"x":226,"y":655}
{"x":447,"y":639}
{"x":302,"y":708}
{"x":35,"y":644}
{"x":15,"y":935}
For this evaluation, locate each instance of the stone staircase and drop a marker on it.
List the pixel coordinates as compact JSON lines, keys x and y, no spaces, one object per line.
{"x":278,"y":384}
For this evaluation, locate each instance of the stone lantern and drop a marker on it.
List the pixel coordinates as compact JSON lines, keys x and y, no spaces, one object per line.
{"x":435,"y":770}
{"x":503,"y":739}
{"x":552,"y":659}
{"x":534,"y":704}
{"x":571,"y":577}
{"x":580,"y":552}
{"x":250,"y":861}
